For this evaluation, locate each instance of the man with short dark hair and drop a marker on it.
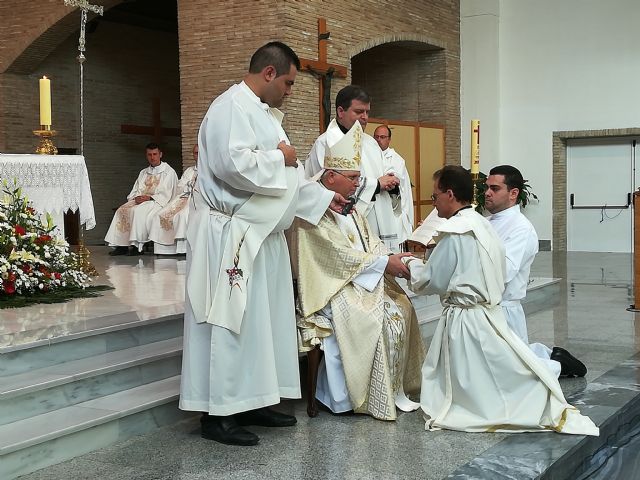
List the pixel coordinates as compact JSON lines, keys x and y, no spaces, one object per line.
{"x":401,"y":197}
{"x":478,"y":376}
{"x":504,"y":185}
{"x":154,"y":188}
{"x":240,"y":346}
{"x":352,"y":105}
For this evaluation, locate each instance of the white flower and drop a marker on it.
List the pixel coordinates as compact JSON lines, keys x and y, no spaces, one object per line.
{"x":40,"y":286}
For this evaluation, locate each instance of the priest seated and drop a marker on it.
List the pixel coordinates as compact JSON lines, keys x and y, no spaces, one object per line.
{"x":154,"y":188}
{"x":169,"y":226}
{"x":350,"y":305}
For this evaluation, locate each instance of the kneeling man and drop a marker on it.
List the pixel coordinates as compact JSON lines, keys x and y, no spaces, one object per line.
{"x":478,"y":375}
{"x":351,"y":305}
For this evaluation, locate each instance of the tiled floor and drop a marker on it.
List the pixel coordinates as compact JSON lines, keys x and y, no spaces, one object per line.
{"x":590,"y":320}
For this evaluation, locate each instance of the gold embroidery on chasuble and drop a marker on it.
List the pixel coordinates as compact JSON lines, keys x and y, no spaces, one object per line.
{"x":166,"y":219}
{"x":123,"y":214}
{"x":151,"y":182}
{"x":327,"y":264}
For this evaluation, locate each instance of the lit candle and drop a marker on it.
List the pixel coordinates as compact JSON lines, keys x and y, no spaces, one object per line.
{"x":45,"y":102}
{"x":475,"y":146}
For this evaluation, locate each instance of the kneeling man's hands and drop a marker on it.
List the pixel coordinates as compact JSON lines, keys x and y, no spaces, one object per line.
{"x":396,"y":267}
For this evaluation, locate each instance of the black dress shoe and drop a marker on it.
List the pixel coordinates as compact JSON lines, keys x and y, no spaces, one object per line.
{"x":570,"y":366}
{"x":265,"y":417}
{"x":226,"y":430}
{"x":119,"y":251}
{"x":133,"y":251}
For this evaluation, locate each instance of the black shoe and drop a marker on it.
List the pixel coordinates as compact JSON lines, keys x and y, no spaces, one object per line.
{"x":265,"y":417}
{"x":226,"y":430}
{"x":119,"y":251}
{"x":570,"y":365}
{"x":133,"y":251}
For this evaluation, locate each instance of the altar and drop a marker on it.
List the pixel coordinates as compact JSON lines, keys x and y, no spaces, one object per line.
{"x":53,"y":183}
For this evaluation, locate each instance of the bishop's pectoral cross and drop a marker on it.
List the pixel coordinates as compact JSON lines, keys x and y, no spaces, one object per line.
{"x":324,"y":72}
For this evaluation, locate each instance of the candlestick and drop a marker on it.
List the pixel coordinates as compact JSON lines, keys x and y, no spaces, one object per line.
{"x":475,"y":146}
{"x":45,"y":102}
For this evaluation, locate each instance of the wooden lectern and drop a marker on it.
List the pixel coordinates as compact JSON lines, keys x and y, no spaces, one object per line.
{"x":636,"y":251}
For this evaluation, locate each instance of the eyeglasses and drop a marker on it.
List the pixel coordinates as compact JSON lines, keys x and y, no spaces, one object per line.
{"x":434,"y":196}
{"x":351,"y":178}
{"x":380,"y":137}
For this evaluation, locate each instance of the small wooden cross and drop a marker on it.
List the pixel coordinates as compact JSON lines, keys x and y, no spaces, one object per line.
{"x":156,"y":130}
{"x":324,"y":71}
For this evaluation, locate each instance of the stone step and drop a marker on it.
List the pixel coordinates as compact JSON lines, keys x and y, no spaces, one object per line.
{"x":34,"y":443}
{"x":100,"y":337}
{"x":49,"y":388}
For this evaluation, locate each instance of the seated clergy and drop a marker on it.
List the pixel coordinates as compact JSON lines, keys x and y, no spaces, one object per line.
{"x":169,"y":227}
{"x":350,"y":304}
{"x":154,"y":187}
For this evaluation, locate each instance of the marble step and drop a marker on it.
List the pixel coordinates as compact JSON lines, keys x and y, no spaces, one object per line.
{"x":49,"y":388}
{"x":104,"y":338}
{"x":34,"y":443}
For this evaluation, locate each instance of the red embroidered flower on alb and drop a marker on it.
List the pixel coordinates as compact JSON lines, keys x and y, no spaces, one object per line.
{"x":9,"y":287}
{"x":19,"y":230}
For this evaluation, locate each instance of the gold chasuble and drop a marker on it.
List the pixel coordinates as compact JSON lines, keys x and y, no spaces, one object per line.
{"x":376,"y":331}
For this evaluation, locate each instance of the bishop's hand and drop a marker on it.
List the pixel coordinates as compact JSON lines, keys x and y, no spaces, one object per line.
{"x":338,"y":203}
{"x":396,"y":267}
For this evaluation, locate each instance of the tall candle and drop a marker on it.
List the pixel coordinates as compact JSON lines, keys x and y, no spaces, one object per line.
{"x":475,"y":146}
{"x":45,"y":101}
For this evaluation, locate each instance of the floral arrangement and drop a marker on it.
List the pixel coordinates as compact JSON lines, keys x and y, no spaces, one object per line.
{"x":33,"y":260}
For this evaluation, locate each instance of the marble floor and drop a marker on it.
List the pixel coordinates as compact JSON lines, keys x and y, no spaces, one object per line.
{"x":590,"y":319}
{"x":145,"y":288}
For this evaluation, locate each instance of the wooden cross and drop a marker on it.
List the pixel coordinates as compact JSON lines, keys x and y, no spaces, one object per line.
{"x":156,"y":130}
{"x":324,"y":72}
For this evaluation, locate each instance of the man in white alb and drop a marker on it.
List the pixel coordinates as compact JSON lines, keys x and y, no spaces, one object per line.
{"x":154,"y":188}
{"x":478,"y":376}
{"x":402,"y":194}
{"x":169,"y":227}
{"x":520,"y":240}
{"x":352,"y":105}
{"x":240,"y":341}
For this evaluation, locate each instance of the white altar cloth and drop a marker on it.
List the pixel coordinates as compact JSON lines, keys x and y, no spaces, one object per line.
{"x":54,"y":183}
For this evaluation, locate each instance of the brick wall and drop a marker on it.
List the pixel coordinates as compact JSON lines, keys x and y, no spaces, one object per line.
{"x":215,"y":50}
{"x":127,"y":66}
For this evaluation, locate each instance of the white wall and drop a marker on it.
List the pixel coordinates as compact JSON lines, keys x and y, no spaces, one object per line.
{"x":563,"y":65}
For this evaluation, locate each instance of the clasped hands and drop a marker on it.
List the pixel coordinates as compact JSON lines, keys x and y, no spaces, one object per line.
{"x":142,"y":198}
{"x":396,"y":267}
{"x":388,"y":181}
